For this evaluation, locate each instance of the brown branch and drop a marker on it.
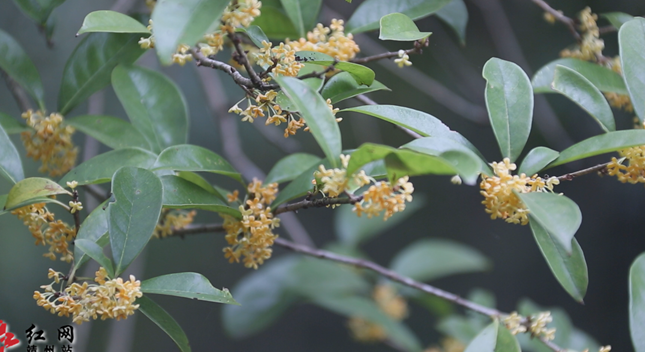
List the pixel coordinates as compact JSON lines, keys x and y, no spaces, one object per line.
{"x":195,"y":229}
{"x":316,"y":203}
{"x":244,"y":60}
{"x":568,"y":21}
{"x":202,"y":60}
{"x":418,"y":45}
{"x":570,"y":176}
{"x":17,"y":91}
{"x":316,"y":74}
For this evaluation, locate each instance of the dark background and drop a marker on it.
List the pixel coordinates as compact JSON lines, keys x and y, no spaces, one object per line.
{"x":611,"y":234}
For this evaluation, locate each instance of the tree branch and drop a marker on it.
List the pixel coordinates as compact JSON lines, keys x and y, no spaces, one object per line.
{"x":568,"y":21}
{"x":418,"y":45}
{"x":570,"y":176}
{"x":18,"y":93}
{"x":316,"y":203}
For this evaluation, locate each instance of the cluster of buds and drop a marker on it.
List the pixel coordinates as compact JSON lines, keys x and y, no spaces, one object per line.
{"x":388,"y":301}
{"x":330,"y":40}
{"x":108,"y":299}
{"x":50,"y":142}
{"x":47,"y":231}
{"x":280,"y":60}
{"x":591,"y":46}
{"x":535,"y":324}
{"x":173,"y":220}
{"x":499,"y":192}
{"x":634,"y":171}
{"x":252,"y":237}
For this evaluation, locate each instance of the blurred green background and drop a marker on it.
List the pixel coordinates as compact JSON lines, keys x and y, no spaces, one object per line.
{"x":611,"y":234}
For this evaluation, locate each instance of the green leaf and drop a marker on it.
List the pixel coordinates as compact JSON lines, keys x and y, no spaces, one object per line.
{"x":494,"y":338}
{"x":275,"y":23}
{"x":316,"y":113}
{"x":154,"y":104}
{"x":536,"y":160}
{"x":367,"y":15}
{"x":179,"y":193}
{"x":38,"y":10}
{"x":15,"y":62}
{"x":263,"y":297}
{"x":102,"y":167}
{"x":254,"y":33}
{"x":299,"y":186}
{"x":11,"y":125}
{"x":32,"y":188}
{"x":637,"y":303}
{"x":631,"y":38}
{"x":111,"y":21}
{"x":431,"y":259}
{"x":95,"y":251}
{"x":399,"y":27}
{"x":183,"y":22}
{"x":10,"y":163}
{"x":362,"y":74}
{"x":187,"y":285}
{"x":352,"y":230}
{"x":289,"y":167}
{"x":559,"y":215}
{"x":201,"y":182}
{"x":509,"y":100}
{"x":189,"y":157}
{"x":582,"y":92}
{"x":455,"y":15}
{"x":88,"y":68}
{"x":569,"y":268}
{"x":165,"y":321}
{"x":604,"y":143}
{"x":343,"y":86}
{"x":303,"y":13}
{"x":95,"y":229}
{"x":133,"y":214}
{"x":617,"y":19}
{"x":111,"y":131}
{"x":468,"y":164}
{"x":29,"y":201}
{"x":602,"y":77}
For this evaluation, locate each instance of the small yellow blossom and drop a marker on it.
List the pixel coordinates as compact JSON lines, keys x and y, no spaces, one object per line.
{"x":50,"y":142}
{"x":330,"y":40}
{"x":403,"y":60}
{"x":47,"y":231}
{"x":538,"y":325}
{"x":75,"y":206}
{"x":513,"y":323}
{"x":172,"y":220}
{"x":233,"y":197}
{"x":382,"y":196}
{"x":72,"y":184}
{"x":605,"y":348}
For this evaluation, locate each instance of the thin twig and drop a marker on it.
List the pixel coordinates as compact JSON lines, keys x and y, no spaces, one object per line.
{"x":316,"y":203}
{"x":570,"y":176}
{"x":365,"y":100}
{"x":18,"y":93}
{"x":418,"y":45}
{"x":244,"y":60}
{"x":202,"y":60}
{"x":568,"y":21}
{"x":195,"y":229}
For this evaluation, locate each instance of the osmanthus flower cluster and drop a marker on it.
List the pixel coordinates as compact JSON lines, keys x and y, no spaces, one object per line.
{"x":251,"y":238}
{"x":107,"y":298}
{"x":49,"y":142}
{"x":172,"y":220}
{"x":499,"y":192}
{"x":388,"y":301}
{"x":330,"y":40}
{"x":48,"y":232}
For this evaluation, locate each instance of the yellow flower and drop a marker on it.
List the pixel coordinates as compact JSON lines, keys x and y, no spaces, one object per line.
{"x":46,"y":231}
{"x":328,"y":40}
{"x":403,"y":60}
{"x":49,"y":142}
{"x":172,"y":220}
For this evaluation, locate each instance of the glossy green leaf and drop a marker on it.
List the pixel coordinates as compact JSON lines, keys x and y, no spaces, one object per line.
{"x":11,"y":125}
{"x":631,"y":39}
{"x":536,"y":160}
{"x":568,"y":267}
{"x":468,"y":164}
{"x":356,"y":306}
{"x":201,"y":182}
{"x":303,"y":13}
{"x":399,"y":27}
{"x":187,"y":285}
{"x":602,"y":77}
{"x":352,"y":230}
{"x":38,"y":10}
{"x":10,"y":163}
{"x":455,"y":15}
{"x":362,"y":74}
{"x":494,"y":338}
{"x":289,"y":167}
{"x":33,"y":187}
{"x":343,"y":86}
{"x":89,"y":67}
{"x":559,"y":215}
{"x":605,"y":143}
{"x":431,"y":259}
{"x":254,"y":33}
{"x":111,"y":131}
{"x":189,"y":157}
{"x":15,"y":62}
{"x":154,"y":104}
{"x":111,"y":21}
{"x":133,"y":215}
{"x":316,"y":113}
{"x":183,"y":22}
{"x":300,"y":186}
{"x":26,"y":202}
{"x":637,"y":303}
{"x":102,"y":167}
{"x":275,"y":23}
{"x":95,"y":252}
{"x":367,"y":15}
{"x":165,"y":321}
{"x":95,"y":229}
{"x":263,"y":297}
{"x":617,"y":19}
{"x":509,"y":100}
{"x":179,"y":193}
{"x":582,"y":92}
